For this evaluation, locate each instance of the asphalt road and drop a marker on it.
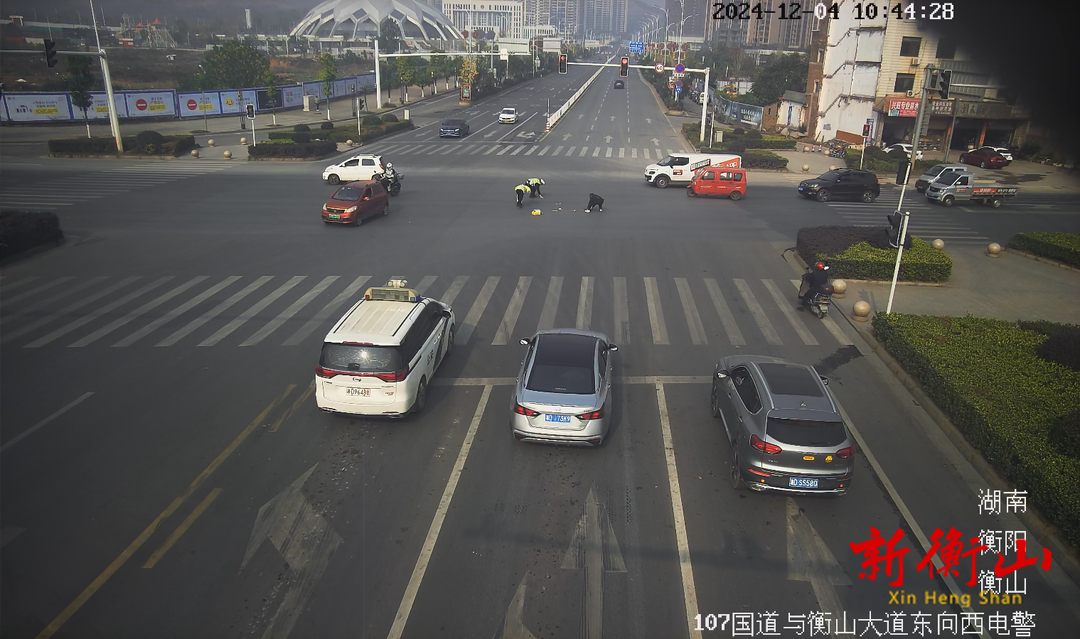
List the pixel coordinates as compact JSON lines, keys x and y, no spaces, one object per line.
{"x":167,"y":474}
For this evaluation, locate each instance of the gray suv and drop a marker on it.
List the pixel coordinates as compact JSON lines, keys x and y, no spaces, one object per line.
{"x":786,"y":433}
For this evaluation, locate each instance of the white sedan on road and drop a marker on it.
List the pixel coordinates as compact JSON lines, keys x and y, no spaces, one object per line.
{"x":906,"y":148}
{"x":508,"y":115}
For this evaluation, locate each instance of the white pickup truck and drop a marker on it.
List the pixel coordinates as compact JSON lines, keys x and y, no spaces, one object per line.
{"x":961,"y":186}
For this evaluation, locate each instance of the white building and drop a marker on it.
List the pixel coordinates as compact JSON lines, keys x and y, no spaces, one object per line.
{"x":505,"y":17}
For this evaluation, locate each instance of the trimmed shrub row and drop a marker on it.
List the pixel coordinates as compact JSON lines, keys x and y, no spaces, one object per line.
{"x":145,"y":143}
{"x":1018,"y":409}
{"x":863,"y":253}
{"x":877,"y":160}
{"x":282,"y":149}
{"x":1063,"y":247}
{"x":23,"y":230}
{"x":752,"y":160}
{"x":739,"y":140}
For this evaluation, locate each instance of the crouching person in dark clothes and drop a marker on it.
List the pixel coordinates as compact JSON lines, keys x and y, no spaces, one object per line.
{"x":595,"y":200}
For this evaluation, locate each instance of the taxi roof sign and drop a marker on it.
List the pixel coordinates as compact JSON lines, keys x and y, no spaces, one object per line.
{"x":394,"y":291}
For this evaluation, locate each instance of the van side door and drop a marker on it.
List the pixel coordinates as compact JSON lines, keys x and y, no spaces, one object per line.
{"x":707,"y":182}
{"x":350,"y":170}
{"x":963,"y":187}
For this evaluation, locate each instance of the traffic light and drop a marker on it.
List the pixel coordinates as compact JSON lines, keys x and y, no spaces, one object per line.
{"x":943,"y":83}
{"x":251,"y":111}
{"x":895,"y":220}
{"x":902,"y":171}
{"x":624,"y":68}
{"x":866,"y":130}
{"x":562,"y":63}
{"x":50,"y":53}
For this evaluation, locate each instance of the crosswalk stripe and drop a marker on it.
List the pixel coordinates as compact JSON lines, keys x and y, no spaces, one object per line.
{"x":633,"y":153}
{"x":10,"y":335}
{"x":25,"y":280}
{"x":49,"y":300}
{"x":326,"y":311}
{"x":656,"y":312}
{"x":789,"y":313}
{"x":543,"y":150}
{"x":449,"y":150}
{"x":492,"y":150}
{"x":142,"y":310}
{"x":693,"y":319}
{"x":608,"y":152}
{"x":596,"y":151}
{"x":467,"y":327}
{"x":287,"y":314}
{"x":726,"y":318}
{"x":408,"y":148}
{"x":241,"y":319}
{"x":176,"y":312}
{"x":572,"y":149}
{"x":584,"y":150}
{"x":518,"y":150}
{"x":513,"y":311}
{"x":504,"y":150}
{"x":426,"y":283}
{"x":622,"y":152}
{"x":455,"y":288}
{"x":33,"y":291}
{"x":530,"y":151}
{"x":830,"y":324}
{"x":108,"y":308}
{"x":551,"y":304}
{"x":194,"y":324}
{"x":622,"y":312}
{"x":556,"y":151}
{"x":584,"y":309}
{"x":476,"y":149}
{"x":759,"y":315}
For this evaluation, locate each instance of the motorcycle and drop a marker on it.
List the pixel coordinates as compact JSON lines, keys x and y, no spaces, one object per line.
{"x":817,"y":300}
{"x":390,"y":181}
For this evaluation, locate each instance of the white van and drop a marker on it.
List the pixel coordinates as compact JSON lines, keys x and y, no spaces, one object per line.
{"x":379,"y":358}
{"x":934,"y":172}
{"x":680,"y":167}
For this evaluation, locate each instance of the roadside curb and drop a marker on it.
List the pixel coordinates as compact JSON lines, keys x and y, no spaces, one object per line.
{"x":1044,"y":260}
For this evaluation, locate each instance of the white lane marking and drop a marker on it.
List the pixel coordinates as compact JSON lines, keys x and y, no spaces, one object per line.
{"x":622,"y":152}
{"x":759,"y":315}
{"x":530,"y":151}
{"x":556,"y":151}
{"x":33,"y":291}
{"x":214,"y":312}
{"x":513,"y":310}
{"x":731,"y":327}
{"x":491,"y":150}
{"x":240,"y":320}
{"x":108,"y":308}
{"x":551,"y":304}
{"x":789,"y":313}
{"x":656,"y":312}
{"x":176,"y":312}
{"x":287,"y":314}
{"x":543,"y":151}
{"x":518,"y":150}
{"x":584,"y":150}
{"x":686,"y":569}
{"x":584,"y":309}
{"x":571,"y":150}
{"x":413,"y":587}
{"x":693,"y":318}
{"x":38,"y":426}
{"x":327,"y":311}
{"x":59,"y":296}
{"x":505,"y":149}
{"x":622,"y":312}
{"x":476,"y":149}
{"x":633,"y":153}
{"x":455,"y":287}
{"x":149,"y":306}
{"x":608,"y":152}
{"x":830,"y":324}
{"x":467,"y":327}
{"x":596,"y":151}
{"x":426,"y":283}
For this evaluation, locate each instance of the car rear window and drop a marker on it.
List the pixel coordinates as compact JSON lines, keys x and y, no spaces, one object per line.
{"x":346,"y":194}
{"x":805,"y":433}
{"x":564,"y":364}
{"x":786,"y":379}
{"x":360,"y":359}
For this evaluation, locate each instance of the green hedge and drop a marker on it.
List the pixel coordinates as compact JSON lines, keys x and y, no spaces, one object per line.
{"x":735,"y":142}
{"x":752,"y":160}
{"x":987,"y":377}
{"x":863,"y":253}
{"x":145,"y":143}
{"x":23,"y":230}
{"x":877,"y":160}
{"x":283,"y":149}
{"x":1063,"y":247}
{"x":371,"y":133}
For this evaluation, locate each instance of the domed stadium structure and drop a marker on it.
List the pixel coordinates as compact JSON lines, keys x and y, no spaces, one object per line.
{"x":360,"y":20}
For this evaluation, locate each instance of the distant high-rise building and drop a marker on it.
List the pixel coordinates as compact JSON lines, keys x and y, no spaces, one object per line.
{"x":604,"y":16}
{"x":697,"y":13}
{"x":564,"y":15}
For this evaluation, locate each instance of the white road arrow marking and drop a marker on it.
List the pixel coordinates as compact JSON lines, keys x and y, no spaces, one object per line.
{"x":607,"y":138}
{"x":304,"y":538}
{"x":526,"y":135}
{"x":656,"y":142}
{"x":566,"y":136}
{"x":649,"y":120}
{"x":613,"y":118}
{"x":594,"y":548}
{"x":514,"y":625}
{"x":580,"y":115}
{"x":490,"y":133}
{"x":809,"y":559}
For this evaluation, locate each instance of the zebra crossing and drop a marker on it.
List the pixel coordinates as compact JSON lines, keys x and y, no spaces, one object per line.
{"x":928,"y":221}
{"x":246,"y":311}
{"x":515,"y":148}
{"x":79,"y":188}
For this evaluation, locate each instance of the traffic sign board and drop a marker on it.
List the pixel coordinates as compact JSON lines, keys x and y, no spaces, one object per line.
{"x":659,"y":68}
{"x":678,"y":85}
{"x":637,"y":47}
{"x":679,"y":68}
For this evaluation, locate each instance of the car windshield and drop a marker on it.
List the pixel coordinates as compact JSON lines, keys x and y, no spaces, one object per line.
{"x":508,"y":111}
{"x":563,"y":364}
{"x":360,"y":359}
{"x":948,"y":178}
{"x":797,"y":432}
{"x":934,"y":170}
{"x":787,"y":379}
{"x":831,"y":176}
{"x":666,"y":161}
{"x":347,"y":194}
{"x":452,"y":123}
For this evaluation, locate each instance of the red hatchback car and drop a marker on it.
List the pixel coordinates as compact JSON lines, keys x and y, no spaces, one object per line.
{"x":985,"y":158}
{"x":354,"y":202}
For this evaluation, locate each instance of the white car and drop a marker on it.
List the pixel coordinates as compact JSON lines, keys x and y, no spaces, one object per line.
{"x":905,"y":147}
{"x":358,"y":167}
{"x":1002,"y":151}
{"x":508,"y":115}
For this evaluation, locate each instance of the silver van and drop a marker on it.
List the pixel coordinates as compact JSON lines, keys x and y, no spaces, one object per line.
{"x":934,"y":173}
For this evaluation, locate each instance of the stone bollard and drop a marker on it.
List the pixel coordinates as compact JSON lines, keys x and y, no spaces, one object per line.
{"x":194,"y":153}
{"x":832,"y":167}
{"x":806,"y":149}
{"x":805,"y":168}
{"x":228,"y":155}
{"x":348,"y":142}
{"x":861,"y":311}
{"x":938,"y":244}
{"x":243,"y":141}
{"x":209,"y":143}
{"x":993,"y":249}
{"x":839,"y":287}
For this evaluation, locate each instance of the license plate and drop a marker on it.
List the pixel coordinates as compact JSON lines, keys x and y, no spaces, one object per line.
{"x":559,"y":419}
{"x":359,"y":392}
{"x":802,"y":482}
{"x":334,"y":217}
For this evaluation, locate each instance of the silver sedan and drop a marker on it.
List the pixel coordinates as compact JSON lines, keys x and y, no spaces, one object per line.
{"x":563,"y":389}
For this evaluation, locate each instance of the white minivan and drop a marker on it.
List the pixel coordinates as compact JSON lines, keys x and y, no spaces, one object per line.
{"x":680,"y":167}
{"x":380,"y":357}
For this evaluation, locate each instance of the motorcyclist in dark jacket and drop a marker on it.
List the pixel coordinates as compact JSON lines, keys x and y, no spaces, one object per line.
{"x":813,"y":281}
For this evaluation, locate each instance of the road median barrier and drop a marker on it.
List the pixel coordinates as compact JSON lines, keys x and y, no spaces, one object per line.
{"x":554,"y":118}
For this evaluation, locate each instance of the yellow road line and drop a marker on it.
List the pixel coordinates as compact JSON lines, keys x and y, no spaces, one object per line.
{"x":181,"y":529}
{"x":292,"y":409}
{"x":132,"y":548}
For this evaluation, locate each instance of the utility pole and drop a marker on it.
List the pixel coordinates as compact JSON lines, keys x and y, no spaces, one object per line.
{"x":114,"y":122}
{"x":915,"y":139}
{"x":378,"y":81}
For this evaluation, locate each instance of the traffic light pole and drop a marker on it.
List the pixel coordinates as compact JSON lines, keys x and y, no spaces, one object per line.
{"x":914,"y":143}
{"x":899,"y":254}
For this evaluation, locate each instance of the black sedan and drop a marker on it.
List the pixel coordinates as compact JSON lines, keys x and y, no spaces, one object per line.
{"x":619,"y":84}
{"x":454,"y":128}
